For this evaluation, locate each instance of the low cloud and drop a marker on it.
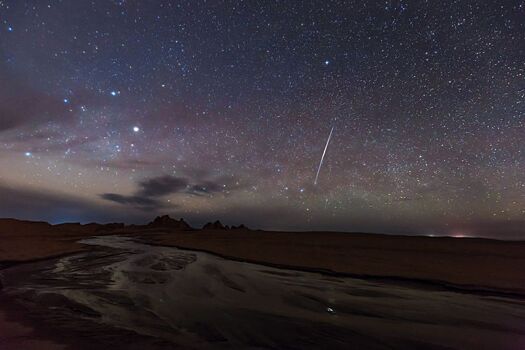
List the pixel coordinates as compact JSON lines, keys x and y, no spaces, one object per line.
{"x":149,"y":193}
{"x":35,"y":204}
{"x":207,"y":187}
{"x":161,"y":186}
{"x":136,"y":201}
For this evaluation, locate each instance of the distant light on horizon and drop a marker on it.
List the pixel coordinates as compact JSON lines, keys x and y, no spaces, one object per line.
{"x":460,"y":234}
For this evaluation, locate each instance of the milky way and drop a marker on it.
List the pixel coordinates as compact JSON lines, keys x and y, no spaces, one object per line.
{"x":121,"y":110}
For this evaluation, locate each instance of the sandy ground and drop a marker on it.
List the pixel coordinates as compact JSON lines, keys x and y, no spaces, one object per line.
{"x":22,"y":241}
{"x":466,"y":263}
{"x":126,"y":291}
{"x":27,"y":241}
{"x":477,"y":264}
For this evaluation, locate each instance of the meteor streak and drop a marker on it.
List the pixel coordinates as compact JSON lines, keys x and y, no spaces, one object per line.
{"x":322,"y":157}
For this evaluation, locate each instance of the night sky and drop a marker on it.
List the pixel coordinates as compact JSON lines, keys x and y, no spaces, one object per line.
{"x":122,"y":110}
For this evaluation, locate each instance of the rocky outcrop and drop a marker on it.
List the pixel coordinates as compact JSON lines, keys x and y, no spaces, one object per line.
{"x":217,"y":225}
{"x":166,"y":222}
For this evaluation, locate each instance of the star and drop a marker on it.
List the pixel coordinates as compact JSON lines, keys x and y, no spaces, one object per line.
{"x":418,"y":140}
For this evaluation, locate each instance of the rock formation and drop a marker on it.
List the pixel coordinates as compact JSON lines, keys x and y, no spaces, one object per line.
{"x":166,"y":222}
{"x":217,"y":225}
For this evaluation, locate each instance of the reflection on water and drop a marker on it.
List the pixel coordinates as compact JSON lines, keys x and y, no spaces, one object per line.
{"x":197,"y":300}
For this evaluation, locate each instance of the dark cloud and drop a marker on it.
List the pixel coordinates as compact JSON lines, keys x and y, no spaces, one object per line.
{"x":147,"y":197}
{"x":136,"y":201}
{"x":207,"y":187}
{"x":33,"y":204}
{"x":161,"y":186}
{"x":150,"y":191}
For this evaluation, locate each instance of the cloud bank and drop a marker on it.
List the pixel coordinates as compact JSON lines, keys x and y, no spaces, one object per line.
{"x":150,"y":192}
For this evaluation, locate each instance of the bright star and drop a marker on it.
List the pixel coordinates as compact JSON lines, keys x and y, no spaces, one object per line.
{"x":66,"y":100}
{"x":115,"y":93}
{"x":326,"y":62}
{"x":136,"y":129}
{"x":10,"y":29}
{"x":28,"y":154}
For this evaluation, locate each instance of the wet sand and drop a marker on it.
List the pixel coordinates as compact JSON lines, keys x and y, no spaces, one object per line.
{"x":26,"y":325}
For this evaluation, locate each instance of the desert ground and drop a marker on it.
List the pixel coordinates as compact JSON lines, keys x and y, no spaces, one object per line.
{"x":480,"y":264}
{"x":33,"y":254}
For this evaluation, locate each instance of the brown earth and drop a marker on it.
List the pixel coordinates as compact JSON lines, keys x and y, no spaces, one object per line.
{"x":26,"y":241}
{"x":466,"y":262}
{"x":463,"y":262}
{"x":475,"y":264}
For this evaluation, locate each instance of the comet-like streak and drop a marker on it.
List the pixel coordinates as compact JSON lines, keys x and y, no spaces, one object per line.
{"x":322,"y":157}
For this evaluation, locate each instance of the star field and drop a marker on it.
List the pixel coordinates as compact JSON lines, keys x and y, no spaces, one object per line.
{"x":121,"y":110}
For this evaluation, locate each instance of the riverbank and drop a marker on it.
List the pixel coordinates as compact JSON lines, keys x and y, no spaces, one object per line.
{"x":468,"y":264}
{"x":23,"y":241}
{"x":197,"y":300}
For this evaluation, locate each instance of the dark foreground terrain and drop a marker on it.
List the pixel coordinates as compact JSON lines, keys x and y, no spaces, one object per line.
{"x":134,"y":288}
